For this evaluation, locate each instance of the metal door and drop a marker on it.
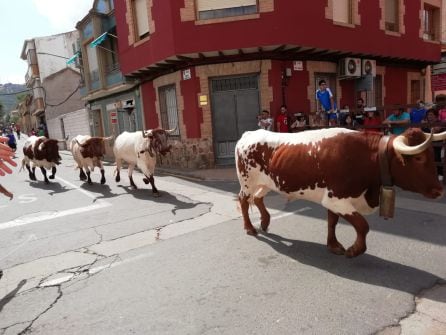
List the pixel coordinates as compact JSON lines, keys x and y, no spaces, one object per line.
{"x":235,"y":106}
{"x":98,"y":129}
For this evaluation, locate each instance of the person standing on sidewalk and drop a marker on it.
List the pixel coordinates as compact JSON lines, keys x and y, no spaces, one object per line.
{"x":325,"y":103}
{"x":282,"y":120}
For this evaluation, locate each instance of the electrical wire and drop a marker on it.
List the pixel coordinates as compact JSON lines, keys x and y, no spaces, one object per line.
{"x":63,"y":101}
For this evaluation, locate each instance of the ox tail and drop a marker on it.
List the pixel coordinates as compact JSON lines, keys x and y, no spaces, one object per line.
{"x":79,"y":143}
{"x":23,"y":165}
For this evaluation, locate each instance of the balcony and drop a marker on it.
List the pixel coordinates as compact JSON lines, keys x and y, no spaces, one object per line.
{"x":32,"y":73}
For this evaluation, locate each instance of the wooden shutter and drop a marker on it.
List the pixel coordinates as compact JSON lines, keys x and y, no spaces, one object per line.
{"x":141,"y":16}
{"x":342,"y":11}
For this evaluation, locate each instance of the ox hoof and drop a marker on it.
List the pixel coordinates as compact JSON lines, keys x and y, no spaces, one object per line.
{"x":156,"y":194}
{"x":146,"y":180}
{"x":264,"y":226}
{"x":337,"y":249}
{"x":47,"y":181}
{"x":251,"y":232}
{"x":354,"y":251}
{"x":51,"y":177}
{"x":118,"y":179}
{"x":103,"y":181}
{"x":83,"y":178}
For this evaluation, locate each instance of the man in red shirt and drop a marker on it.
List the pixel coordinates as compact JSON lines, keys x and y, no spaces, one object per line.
{"x":282,"y":120}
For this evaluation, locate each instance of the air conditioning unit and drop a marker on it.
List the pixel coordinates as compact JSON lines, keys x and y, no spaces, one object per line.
{"x":349,"y":68}
{"x":368,"y":67}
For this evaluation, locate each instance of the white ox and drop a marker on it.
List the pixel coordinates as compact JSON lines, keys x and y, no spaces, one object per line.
{"x":88,"y":151}
{"x":139,"y":149}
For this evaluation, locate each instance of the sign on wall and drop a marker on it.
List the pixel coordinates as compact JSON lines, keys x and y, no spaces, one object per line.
{"x":439,"y":82}
{"x":186,"y":74}
{"x":298,"y":65}
{"x":114,"y":117}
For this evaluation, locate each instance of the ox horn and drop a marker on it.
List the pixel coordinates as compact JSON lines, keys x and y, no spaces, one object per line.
{"x":400,"y":145}
{"x":171,"y":131}
{"x":63,"y":140}
{"x":438,"y":137}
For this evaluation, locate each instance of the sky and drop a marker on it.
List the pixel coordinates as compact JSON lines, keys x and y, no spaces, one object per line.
{"x":25,"y":19}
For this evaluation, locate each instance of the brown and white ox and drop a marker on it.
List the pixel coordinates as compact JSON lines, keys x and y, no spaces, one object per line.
{"x":42,"y":152}
{"x":337,"y":168}
{"x":88,"y":152}
{"x":139,"y":149}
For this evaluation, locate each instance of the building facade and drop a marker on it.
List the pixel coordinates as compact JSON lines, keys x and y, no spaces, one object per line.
{"x":46,"y":56}
{"x":63,"y":103}
{"x":207,"y":68}
{"x":113,"y":103}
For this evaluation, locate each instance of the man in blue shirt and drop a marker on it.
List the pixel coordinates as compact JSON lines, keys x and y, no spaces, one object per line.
{"x":398,"y":118}
{"x":325,"y":100}
{"x":418,"y":113}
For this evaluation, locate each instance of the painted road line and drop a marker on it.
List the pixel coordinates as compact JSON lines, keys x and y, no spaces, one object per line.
{"x":53,"y":215}
{"x":36,"y":217}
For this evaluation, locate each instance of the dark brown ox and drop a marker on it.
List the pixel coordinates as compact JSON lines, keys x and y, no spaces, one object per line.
{"x":140,"y":149}
{"x":88,"y":153}
{"x":42,"y":152}
{"x":337,"y":168}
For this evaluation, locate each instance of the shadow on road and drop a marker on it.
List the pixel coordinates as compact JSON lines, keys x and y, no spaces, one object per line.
{"x":7,"y":298}
{"x":365,"y":268}
{"x":53,"y":187}
{"x":97,"y":188}
{"x":179,"y":202}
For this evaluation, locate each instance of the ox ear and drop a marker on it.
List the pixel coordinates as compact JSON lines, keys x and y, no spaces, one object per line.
{"x":147,"y":133}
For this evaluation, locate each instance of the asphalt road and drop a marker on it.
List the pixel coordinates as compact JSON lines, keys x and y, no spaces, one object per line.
{"x":106,"y":259}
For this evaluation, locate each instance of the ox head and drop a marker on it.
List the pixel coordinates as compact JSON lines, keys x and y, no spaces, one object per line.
{"x":158,"y":140}
{"x":48,"y":149}
{"x":413,"y":166}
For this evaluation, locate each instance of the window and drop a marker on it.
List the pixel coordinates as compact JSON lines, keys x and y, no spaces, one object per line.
{"x":430,"y":23}
{"x":168,"y":109}
{"x":111,"y":52}
{"x":343,"y":11}
{"x":391,"y":12}
{"x":214,"y":9}
{"x":92,"y":63}
{"x":141,"y":19}
{"x":104,"y":6}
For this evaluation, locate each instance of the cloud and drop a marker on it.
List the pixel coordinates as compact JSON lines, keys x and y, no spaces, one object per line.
{"x":63,"y":14}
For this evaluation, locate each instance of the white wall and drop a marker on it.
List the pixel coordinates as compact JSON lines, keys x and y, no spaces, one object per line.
{"x":60,"y":45}
{"x":75,"y":123}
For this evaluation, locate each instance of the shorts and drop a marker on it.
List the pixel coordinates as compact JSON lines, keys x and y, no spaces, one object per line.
{"x":332,"y":116}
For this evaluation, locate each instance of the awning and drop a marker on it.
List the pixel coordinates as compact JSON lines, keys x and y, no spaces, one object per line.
{"x":99,"y":40}
{"x":73,"y":58}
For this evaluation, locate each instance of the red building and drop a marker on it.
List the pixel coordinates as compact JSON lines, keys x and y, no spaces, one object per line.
{"x":209,"y":67}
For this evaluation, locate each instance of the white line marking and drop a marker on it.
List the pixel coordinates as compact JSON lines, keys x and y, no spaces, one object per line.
{"x":88,"y":194}
{"x":44,"y":217}
{"x":49,"y":216}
